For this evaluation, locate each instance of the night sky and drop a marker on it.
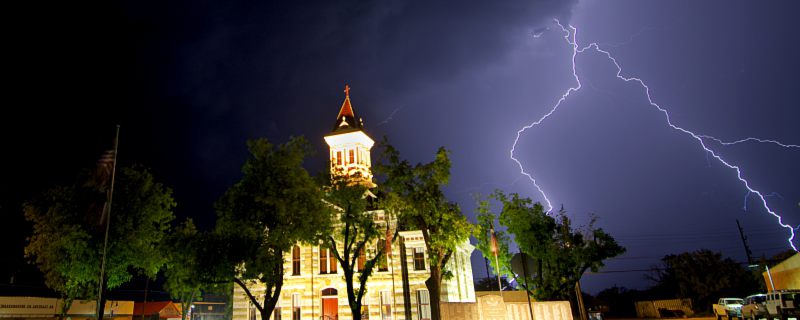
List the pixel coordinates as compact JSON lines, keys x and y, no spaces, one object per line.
{"x":190,"y":81}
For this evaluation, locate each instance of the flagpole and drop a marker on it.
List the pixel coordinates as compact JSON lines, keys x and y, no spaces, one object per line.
{"x":391,"y":265}
{"x":100,"y":304}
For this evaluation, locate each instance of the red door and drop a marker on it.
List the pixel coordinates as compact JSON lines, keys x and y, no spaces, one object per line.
{"x":330,"y":308}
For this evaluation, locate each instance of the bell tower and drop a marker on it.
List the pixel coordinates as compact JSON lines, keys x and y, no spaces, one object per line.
{"x":350,"y":146}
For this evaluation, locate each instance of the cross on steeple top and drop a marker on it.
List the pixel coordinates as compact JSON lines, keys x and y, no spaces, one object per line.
{"x":347,"y":90}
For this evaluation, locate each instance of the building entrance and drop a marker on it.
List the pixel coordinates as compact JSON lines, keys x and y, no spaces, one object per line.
{"x":330,"y":304}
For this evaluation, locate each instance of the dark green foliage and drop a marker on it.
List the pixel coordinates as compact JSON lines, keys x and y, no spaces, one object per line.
{"x":275,"y":205}
{"x":414,"y":194}
{"x":189,"y":271}
{"x":703,"y":276}
{"x":67,"y":239}
{"x":482,"y":233}
{"x":563,"y":253}
{"x":356,"y":230}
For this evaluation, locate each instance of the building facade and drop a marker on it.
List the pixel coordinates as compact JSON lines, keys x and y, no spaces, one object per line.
{"x":314,"y":286}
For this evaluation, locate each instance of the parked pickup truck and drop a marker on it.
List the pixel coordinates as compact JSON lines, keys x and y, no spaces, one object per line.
{"x":728,"y":308}
{"x":754,"y":307}
{"x":783,"y":304}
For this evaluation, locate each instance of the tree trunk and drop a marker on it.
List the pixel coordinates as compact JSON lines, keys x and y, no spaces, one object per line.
{"x":101,"y":306}
{"x":186,"y":305}
{"x":434,"y":284}
{"x":270,"y":300}
{"x":65,"y":307}
{"x":352,"y":299}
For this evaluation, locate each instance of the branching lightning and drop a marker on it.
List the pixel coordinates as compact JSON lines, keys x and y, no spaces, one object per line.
{"x":749,"y":139}
{"x":571,"y":38}
{"x":747,"y":196}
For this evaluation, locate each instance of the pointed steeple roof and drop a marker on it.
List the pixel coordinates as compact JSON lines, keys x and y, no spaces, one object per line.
{"x":347,"y":120}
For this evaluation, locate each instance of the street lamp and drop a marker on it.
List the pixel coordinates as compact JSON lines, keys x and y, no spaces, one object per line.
{"x":769,"y":274}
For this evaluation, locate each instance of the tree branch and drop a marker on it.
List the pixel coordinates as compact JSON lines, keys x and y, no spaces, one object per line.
{"x":249,"y":295}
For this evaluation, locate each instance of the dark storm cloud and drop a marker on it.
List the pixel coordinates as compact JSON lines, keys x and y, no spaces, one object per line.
{"x":266,"y":54}
{"x":237,"y":71}
{"x":190,"y":81}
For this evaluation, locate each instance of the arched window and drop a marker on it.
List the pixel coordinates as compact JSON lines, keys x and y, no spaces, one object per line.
{"x":296,"y":261}
{"x":329,"y":292}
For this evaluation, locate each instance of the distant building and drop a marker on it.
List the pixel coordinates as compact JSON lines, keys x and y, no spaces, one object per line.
{"x":156,"y":310}
{"x":49,"y":308}
{"x":314,"y":287}
{"x":208,"y":310}
{"x":785,"y":275}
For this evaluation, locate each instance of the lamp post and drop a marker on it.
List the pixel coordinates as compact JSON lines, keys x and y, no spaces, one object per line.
{"x":769,"y":274}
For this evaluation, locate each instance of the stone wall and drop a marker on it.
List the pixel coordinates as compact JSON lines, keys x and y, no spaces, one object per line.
{"x":493,"y":307}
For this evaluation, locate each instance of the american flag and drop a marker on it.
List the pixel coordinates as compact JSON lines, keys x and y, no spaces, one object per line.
{"x":106,"y":159}
{"x":494,"y":240}
{"x":105,"y":166}
{"x":102,"y":175}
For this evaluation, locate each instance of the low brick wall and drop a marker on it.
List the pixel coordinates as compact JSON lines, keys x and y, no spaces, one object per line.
{"x":494,"y":307}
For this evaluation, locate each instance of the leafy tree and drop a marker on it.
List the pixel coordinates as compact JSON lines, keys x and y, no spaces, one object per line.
{"x":275,"y":205}
{"x":356,"y":229}
{"x":67,"y":239}
{"x":563,"y":252}
{"x":414,"y":194}
{"x":482,"y":232}
{"x":704,"y":276}
{"x":187,"y":275}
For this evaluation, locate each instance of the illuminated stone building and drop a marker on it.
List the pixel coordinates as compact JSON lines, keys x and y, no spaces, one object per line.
{"x":314,"y":286}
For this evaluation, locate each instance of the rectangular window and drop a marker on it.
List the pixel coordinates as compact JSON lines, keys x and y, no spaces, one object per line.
{"x":333,"y":262}
{"x":424,"y":304}
{"x":327,"y":261}
{"x":339,"y":158}
{"x":296,"y":306}
{"x":362,"y":259}
{"x":251,"y":312}
{"x":296,"y":261}
{"x":323,"y":260}
{"x":386,"y":305}
{"x":419,"y":259}
{"x":352,"y":156}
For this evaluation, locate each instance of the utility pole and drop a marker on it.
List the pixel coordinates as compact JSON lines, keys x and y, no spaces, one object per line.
{"x":744,"y":241}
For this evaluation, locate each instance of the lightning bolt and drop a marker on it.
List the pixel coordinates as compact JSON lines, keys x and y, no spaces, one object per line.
{"x":571,"y":38}
{"x":389,"y":118}
{"x":749,"y":139}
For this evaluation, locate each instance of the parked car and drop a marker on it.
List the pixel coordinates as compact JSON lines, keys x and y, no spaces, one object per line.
{"x":729,"y":308}
{"x":754,"y":307}
{"x":783,"y":304}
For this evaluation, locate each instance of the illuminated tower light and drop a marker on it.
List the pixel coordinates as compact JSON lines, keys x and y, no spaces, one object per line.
{"x":350,"y":146}
{"x":571,"y":38}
